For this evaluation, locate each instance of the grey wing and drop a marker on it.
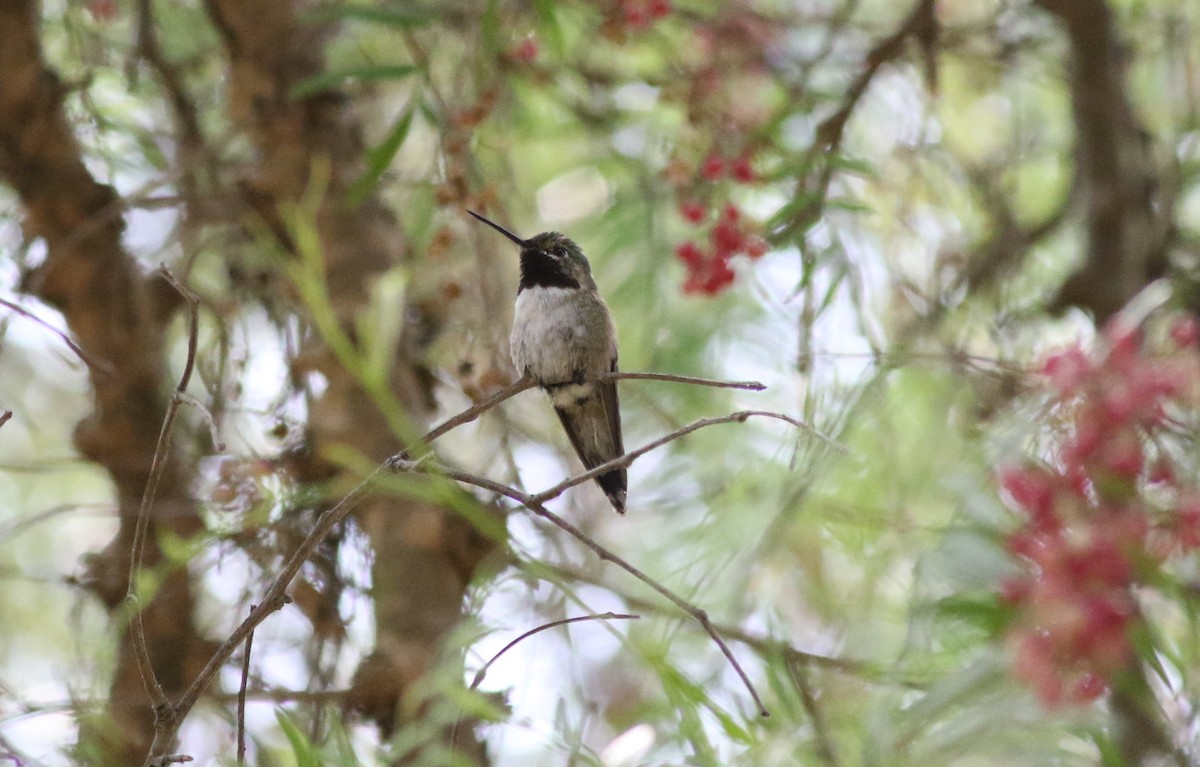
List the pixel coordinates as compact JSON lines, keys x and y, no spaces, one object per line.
{"x":612,"y":409}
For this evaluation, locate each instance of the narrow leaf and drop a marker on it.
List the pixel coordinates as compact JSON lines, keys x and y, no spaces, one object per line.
{"x":379,"y":158}
{"x":361,"y":74}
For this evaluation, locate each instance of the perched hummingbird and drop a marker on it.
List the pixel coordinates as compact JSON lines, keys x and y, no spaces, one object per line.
{"x":563,"y":337}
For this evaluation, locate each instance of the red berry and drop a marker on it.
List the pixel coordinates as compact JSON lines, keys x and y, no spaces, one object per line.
{"x":690,"y":254}
{"x":756,"y":247}
{"x":719,"y":278}
{"x":713,"y":167}
{"x":741,"y":170}
{"x":692,"y":211}
{"x":658,"y":8}
{"x":103,"y":10}
{"x":635,"y":16}
{"x":693,"y":284}
{"x":526,"y":51}
{"x":726,"y":238}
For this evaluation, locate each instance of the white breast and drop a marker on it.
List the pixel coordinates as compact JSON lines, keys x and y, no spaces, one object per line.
{"x":557,"y":330}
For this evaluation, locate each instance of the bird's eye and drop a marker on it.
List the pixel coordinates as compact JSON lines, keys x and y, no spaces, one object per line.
{"x":559,"y":251}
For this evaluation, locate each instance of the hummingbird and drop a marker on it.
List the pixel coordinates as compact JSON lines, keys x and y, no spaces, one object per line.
{"x":563,"y":337}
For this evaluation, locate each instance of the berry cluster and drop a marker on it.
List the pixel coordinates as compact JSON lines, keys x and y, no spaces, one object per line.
{"x":708,"y":269}
{"x":1104,"y":514}
{"x":639,"y":14}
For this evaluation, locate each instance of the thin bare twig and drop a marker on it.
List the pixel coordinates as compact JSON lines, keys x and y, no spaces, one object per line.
{"x":533,"y":503}
{"x":15,"y":527}
{"x":157,"y":466}
{"x":609,"y":616}
{"x":763,"y":645}
{"x":694,"y":381}
{"x":830,"y":133}
{"x":166,"y":715}
{"x":214,"y":431}
{"x":241,"y":698}
{"x":5,"y":416}
{"x":521,"y":384}
{"x":478,"y":409}
{"x":274,"y":599}
{"x":823,"y":744}
{"x":149,"y":49}
{"x":95,"y":364}
{"x":628,"y":458}
{"x":170,"y":718}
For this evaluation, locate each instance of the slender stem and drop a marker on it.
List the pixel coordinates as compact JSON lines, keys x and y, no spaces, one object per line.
{"x":530,"y":502}
{"x":274,"y":599}
{"x":716,"y":384}
{"x":158,"y":465}
{"x":521,"y":384}
{"x":628,"y":458}
{"x":473,"y":412}
{"x":761,"y":644}
{"x":609,"y":616}
{"x":96,"y":365}
{"x":241,"y":698}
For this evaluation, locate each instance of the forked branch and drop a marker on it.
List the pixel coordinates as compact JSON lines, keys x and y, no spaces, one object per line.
{"x":172,"y":715}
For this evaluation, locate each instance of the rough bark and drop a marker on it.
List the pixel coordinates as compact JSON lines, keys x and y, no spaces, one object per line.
{"x":424,"y":555}
{"x":107,"y":303}
{"x":1115,"y":178}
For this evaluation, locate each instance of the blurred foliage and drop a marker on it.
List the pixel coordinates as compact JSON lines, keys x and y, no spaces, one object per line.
{"x":864,"y":582}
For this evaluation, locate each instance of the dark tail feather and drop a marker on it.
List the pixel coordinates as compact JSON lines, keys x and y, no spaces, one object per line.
{"x":589,"y":416}
{"x":614,"y":484}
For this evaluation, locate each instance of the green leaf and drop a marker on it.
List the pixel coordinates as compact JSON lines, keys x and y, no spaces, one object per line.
{"x":379,"y":158}
{"x":851,"y":206}
{"x":302,"y":748}
{"x":983,"y":612}
{"x":475,"y":705}
{"x":853,"y":166}
{"x":399,"y":18}
{"x":380,"y":325}
{"x":361,"y":74}
{"x":550,"y":30}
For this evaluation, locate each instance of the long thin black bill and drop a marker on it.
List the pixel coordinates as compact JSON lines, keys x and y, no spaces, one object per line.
{"x":499,"y":229}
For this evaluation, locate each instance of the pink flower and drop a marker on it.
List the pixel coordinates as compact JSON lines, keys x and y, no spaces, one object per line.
{"x":1185,"y":331}
{"x":1067,"y":370}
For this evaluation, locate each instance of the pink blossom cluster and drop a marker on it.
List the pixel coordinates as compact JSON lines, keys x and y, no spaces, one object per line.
{"x":1102,"y":515}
